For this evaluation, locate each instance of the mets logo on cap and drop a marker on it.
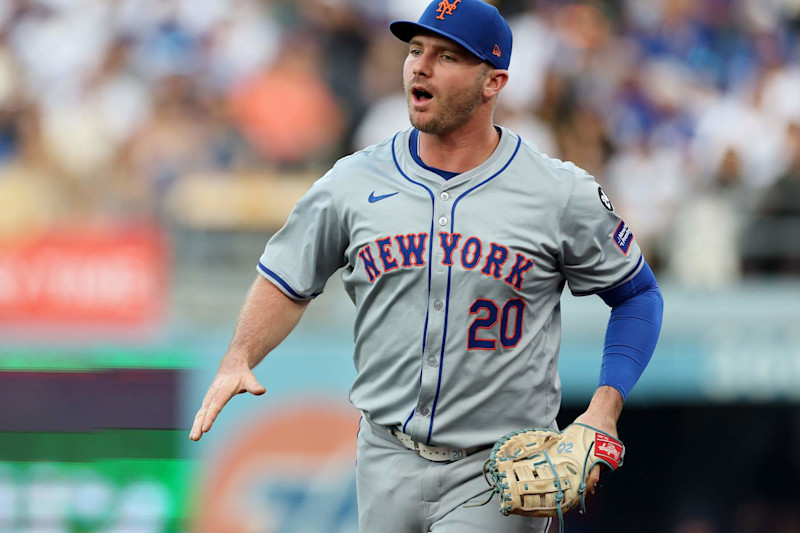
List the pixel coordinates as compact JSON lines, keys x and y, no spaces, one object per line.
{"x":446,"y":8}
{"x":474,"y":24}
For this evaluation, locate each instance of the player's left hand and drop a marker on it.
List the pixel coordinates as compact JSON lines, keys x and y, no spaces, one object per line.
{"x":602,"y":413}
{"x":543,"y":472}
{"x":603,"y":423}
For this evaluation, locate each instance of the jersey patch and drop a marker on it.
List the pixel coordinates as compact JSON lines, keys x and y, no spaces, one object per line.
{"x":604,"y":199}
{"x":623,"y":237}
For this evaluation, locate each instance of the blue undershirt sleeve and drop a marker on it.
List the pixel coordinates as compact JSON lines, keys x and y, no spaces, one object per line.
{"x":633,"y":328}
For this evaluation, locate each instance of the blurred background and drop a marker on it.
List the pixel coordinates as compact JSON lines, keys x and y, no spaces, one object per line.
{"x":149,"y":148}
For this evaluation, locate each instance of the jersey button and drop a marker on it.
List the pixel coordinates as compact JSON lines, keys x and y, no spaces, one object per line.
{"x":431,"y":361}
{"x":443,"y":221}
{"x":438,"y":305}
{"x":444,"y":196}
{"x":424,"y":411}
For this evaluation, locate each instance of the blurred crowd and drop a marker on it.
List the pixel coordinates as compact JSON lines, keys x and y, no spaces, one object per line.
{"x":686,"y":111}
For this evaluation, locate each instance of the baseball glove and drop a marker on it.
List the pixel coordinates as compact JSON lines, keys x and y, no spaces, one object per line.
{"x":541,"y":472}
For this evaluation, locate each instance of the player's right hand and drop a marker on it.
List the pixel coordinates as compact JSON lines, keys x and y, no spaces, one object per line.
{"x":227,"y":384}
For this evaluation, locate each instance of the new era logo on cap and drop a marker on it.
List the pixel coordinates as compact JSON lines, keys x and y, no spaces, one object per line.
{"x":477,"y":26}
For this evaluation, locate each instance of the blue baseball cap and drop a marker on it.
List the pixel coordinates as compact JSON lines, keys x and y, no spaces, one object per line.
{"x":477,"y":26}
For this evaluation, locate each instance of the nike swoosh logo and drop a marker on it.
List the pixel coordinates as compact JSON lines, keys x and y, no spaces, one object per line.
{"x":373,"y":198}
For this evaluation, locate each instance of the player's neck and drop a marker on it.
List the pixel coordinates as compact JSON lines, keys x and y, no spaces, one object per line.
{"x":460,"y":150}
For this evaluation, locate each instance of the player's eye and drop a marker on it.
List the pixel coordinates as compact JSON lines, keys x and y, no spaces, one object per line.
{"x":448,"y":57}
{"x":415,"y":52}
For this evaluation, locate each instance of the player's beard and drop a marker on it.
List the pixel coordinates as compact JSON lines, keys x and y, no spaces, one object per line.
{"x":452,"y":111}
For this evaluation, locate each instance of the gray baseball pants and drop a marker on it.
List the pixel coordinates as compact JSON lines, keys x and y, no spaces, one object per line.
{"x":400,"y":492}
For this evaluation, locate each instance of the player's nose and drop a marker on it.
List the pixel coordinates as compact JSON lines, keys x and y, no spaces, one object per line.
{"x":422,"y":65}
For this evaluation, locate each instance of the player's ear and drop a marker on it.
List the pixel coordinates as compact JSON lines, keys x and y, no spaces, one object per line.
{"x":496,"y":79}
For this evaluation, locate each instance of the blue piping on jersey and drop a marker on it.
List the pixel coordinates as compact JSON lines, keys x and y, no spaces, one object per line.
{"x":616,"y":283}
{"x":430,"y":266}
{"x":449,"y":271}
{"x":410,"y":416}
{"x":283,"y":283}
{"x":412,"y":148}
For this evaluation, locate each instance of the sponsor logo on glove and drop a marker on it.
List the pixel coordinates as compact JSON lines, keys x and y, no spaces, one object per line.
{"x":608,"y":449}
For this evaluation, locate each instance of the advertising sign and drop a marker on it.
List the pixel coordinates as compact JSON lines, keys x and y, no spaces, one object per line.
{"x":95,"y":276}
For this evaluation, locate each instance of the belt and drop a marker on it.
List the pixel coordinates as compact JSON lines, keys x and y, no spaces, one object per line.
{"x":435,"y":453}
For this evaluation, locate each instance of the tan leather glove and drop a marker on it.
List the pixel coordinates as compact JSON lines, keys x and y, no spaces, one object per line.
{"x":541,"y":472}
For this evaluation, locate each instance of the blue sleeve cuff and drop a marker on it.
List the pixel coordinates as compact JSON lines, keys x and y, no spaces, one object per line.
{"x":633,"y":329}
{"x":281,"y":283}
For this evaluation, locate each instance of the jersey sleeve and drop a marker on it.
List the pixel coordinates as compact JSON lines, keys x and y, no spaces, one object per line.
{"x":310,"y":247}
{"x":598,"y":249}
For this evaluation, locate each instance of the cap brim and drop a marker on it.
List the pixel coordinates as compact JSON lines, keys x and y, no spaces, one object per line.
{"x":406,"y":30}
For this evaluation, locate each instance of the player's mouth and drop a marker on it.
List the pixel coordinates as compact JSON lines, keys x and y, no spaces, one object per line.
{"x":420,"y":95}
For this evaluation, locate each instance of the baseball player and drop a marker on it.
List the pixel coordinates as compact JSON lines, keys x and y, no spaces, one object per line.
{"x":456,"y":239}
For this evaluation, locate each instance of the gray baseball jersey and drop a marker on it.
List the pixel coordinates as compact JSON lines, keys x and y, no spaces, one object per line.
{"x":456,"y":282}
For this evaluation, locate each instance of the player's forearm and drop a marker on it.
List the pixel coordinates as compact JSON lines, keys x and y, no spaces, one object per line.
{"x":265,"y":320}
{"x":606,"y":403}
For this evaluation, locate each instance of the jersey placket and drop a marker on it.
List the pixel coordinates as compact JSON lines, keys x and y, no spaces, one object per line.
{"x":432,"y":364}
{"x":445,"y":198}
